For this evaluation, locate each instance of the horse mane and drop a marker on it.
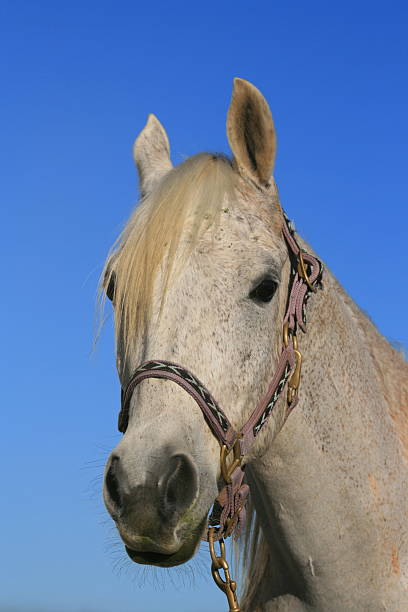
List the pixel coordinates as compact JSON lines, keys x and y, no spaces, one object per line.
{"x":159,"y":236}
{"x":251,"y":557}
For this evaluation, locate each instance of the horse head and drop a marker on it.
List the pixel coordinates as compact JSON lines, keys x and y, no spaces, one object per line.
{"x":198,"y":277}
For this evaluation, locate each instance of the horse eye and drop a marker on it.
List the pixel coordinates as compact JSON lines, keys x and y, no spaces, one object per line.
{"x":265,"y":291}
{"x":110,"y":289}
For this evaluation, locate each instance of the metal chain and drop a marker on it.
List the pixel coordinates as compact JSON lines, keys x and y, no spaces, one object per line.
{"x":219,"y":562}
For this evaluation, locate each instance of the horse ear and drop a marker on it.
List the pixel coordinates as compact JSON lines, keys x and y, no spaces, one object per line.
{"x":251,"y":133}
{"x":151,"y":153}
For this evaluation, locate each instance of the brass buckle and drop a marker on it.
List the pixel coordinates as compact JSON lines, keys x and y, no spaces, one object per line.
{"x":218,"y":563}
{"x":294,"y":380}
{"x":228,"y":470}
{"x":286,"y":334}
{"x":302,"y":271}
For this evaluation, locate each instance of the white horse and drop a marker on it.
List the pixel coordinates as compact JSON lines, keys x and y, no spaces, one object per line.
{"x":200,"y":277}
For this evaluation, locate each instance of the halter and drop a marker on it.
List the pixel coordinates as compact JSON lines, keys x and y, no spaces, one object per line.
{"x":228,"y":511}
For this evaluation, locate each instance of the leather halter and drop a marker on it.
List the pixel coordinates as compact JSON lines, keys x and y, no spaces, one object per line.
{"x":228,"y":512}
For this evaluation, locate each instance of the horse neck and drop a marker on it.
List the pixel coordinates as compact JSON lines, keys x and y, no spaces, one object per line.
{"x":355,"y":384}
{"x":331,"y":486}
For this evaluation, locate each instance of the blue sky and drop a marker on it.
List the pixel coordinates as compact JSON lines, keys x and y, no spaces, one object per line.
{"x":78,"y":80}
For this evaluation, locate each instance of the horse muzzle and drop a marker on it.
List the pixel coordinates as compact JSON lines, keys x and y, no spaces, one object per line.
{"x":155,"y":514}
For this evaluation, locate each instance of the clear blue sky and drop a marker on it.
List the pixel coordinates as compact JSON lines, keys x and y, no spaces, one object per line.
{"x":78,"y":80}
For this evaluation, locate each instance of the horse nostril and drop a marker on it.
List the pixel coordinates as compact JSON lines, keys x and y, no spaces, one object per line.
{"x":179,"y":486}
{"x":112,"y":483}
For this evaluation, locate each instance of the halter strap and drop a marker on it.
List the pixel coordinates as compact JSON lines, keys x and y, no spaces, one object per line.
{"x":228,"y":512}
{"x":213,"y":414}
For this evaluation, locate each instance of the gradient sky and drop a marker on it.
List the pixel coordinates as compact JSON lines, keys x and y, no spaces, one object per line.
{"x":78,"y":81}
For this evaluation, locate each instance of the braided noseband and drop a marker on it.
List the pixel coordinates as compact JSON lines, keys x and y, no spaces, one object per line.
{"x":228,"y":512}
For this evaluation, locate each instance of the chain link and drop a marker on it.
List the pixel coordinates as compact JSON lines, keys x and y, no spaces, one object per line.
{"x":219,"y":562}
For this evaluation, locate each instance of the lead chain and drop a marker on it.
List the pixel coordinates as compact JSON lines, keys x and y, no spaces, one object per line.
{"x":219,"y":562}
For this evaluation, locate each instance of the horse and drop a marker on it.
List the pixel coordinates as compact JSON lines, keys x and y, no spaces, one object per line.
{"x":199,"y":277}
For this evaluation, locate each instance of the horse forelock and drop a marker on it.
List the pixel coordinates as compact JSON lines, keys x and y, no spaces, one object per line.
{"x":160,"y":234}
